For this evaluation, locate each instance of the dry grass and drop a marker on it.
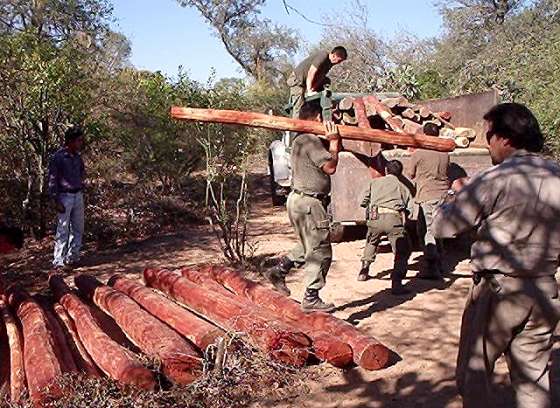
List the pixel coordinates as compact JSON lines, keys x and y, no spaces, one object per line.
{"x":247,"y":376}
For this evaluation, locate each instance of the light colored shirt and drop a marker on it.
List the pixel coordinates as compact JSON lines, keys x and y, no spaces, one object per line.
{"x":429,"y":169}
{"x":515,"y":208}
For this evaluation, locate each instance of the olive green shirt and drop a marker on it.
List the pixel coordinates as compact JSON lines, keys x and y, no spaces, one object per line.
{"x":515,"y":209}
{"x":429,"y":169}
{"x":319,"y":60}
{"x":309,"y":154}
{"x":387,"y":192}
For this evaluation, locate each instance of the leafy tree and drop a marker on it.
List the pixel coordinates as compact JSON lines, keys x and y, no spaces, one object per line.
{"x":260,"y":47}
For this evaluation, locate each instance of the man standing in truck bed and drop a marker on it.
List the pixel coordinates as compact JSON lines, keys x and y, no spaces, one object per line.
{"x":311,"y":75}
{"x":313,"y":160}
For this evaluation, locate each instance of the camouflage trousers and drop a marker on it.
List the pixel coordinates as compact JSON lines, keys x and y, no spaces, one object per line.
{"x":392,"y":226}
{"x":309,"y":218}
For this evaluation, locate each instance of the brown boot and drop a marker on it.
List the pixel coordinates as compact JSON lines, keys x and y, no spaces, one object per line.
{"x":312,"y":302}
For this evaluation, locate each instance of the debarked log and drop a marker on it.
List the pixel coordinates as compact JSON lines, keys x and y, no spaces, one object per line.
{"x":114,"y":360}
{"x":197,"y":330}
{"x":41,"y":362}
{"x":181,"y":362}
{"x":261,"y":120}
{"x":277,"y":340}
{"x":368,"y":352}
{"x":325,"y":346}
{"x":15,"y":342}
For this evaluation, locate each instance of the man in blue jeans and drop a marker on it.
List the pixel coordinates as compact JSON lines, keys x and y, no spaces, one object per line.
{"x":66,"y":184}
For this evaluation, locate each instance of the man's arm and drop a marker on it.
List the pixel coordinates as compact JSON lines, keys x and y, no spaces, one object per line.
{"x":53,"y":183}
{"x":335,"y":146}
{"x":464,"y":210}
{"x":311,"y":74}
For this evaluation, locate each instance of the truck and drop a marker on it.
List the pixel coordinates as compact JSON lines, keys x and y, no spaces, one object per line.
{"x":347,"y":218}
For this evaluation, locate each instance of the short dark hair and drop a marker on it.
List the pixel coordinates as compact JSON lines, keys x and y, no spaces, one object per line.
{"x":72,"y":134}
{"x":517,"y":123}
{"x":430,"y":129}
{"x":310,"y":110}
{"x":394,"y":167}
{"x":340,"y":51}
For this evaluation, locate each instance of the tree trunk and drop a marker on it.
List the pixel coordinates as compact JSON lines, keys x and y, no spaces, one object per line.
{"x":325,"y":346}
{"x":200,"y":332}
{"x":275,"y":339}
{"x":15,"y":341}
{"x":180,"y":360}
{"x":113,"y":359}
{"x":41,"y":362}
{"x":368,"y":352}
{"x":297,"y":125}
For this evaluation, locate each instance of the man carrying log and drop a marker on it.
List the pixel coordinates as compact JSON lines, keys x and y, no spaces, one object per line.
{"x":513,"y":306}
{"x":388,"y":201}
{"x":311,"y":75}
{"x":313,"y":161}
{"x":428,"y":169}
{"x":66,"y":184}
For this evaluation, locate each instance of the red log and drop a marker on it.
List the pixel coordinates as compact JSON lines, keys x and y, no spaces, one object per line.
{"x":297,"y":125}
{"x":41,"y":362}
{"x":61,"y":345}
{"x":15,"y":341}
{"x":275,"y":339}
{"x":361,"y":114}
{"x":180,"y":360}
{"x":385,"y":113}
{"x":199,"y":331}
{"x":81,"y":357}
{"x":325,"y":346}
{"x":113,"y":359}
{"x":368,"y":352}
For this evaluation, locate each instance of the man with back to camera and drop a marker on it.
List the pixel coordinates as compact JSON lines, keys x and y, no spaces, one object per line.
{"x":513,"y":306}
{"x":429,"y":170}
{"x":66,"y":184}
{"x":388,"y":202}
{"x":311,"y":75}
{"x":313,"y":161}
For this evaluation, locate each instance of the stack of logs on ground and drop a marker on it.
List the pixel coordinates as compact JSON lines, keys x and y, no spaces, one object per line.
{"x":101,"y":329}
{"x":399,"y":115}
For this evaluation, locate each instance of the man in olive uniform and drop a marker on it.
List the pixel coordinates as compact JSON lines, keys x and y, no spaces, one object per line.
{"x":311,"y":75}
{"x":313,"y":161}
{"x":513,"y":306}
{"x":388,"y":201}
{"x":428,"y":169}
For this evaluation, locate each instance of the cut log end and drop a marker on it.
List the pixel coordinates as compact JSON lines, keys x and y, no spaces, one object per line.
{"x":139,"y":377}
{"x":184,"y":370}
{"x":338,"y":354}
{"x":374,"y":357}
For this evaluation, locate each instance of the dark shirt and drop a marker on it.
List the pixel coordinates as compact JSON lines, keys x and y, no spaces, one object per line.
{"x":309,"y":154}
{"x":319,"y":60}
{"x":66,"y":173}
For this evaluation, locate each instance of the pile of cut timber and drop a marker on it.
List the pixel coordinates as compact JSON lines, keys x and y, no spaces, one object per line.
{"x":99,"y":329}
{"x":401,"y":116}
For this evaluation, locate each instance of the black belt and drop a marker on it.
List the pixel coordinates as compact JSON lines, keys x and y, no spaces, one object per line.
{"x":318,"y":196}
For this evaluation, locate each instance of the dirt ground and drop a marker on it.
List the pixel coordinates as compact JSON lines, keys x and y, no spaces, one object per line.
{"x":421,"y":329}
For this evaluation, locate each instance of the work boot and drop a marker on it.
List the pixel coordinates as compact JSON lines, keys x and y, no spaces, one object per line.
{"x":363,"y":275}
{"x":313,"y":303}
{"x":432,"y":271}
{"x":277,"y":275}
